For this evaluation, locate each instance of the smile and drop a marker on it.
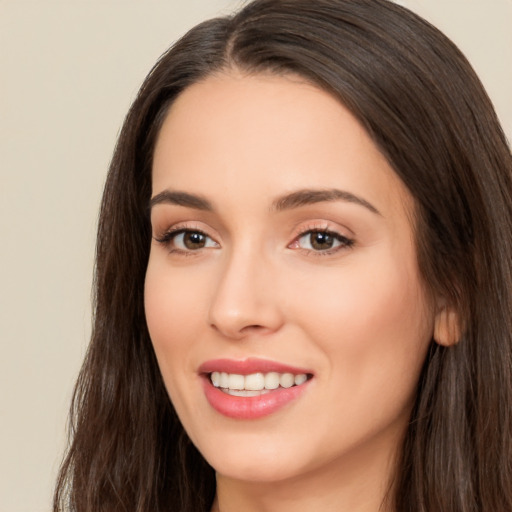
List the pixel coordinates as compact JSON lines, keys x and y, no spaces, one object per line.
{"x":252,"y":388}
{"x":255,"y":384}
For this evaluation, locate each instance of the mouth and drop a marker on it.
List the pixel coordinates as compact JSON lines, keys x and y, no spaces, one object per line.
{"x":252,"y":388}
{"x":255,"y":384}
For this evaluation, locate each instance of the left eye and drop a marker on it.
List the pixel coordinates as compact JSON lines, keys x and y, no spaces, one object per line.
{"x":322,"y":241}
{"x":192,"y":240}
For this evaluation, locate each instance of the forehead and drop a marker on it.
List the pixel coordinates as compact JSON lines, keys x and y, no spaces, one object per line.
{"x":273,"y":133}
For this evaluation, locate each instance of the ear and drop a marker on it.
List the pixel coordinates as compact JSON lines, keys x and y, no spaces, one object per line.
{"x":447,"y":328}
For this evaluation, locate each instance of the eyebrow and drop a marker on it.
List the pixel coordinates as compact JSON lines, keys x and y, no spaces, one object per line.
{"x":181,"y":199}
{"x":295,"y":199}
{"x":311,"y":196}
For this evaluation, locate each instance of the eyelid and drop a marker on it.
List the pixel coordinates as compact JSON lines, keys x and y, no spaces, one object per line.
{"x":169,"y":234}
{"x":347,"y":241}
{"x":322,"y":225}
{"x":160,"y":229}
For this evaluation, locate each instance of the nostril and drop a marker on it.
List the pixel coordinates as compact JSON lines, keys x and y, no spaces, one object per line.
{"x":253,"y":328}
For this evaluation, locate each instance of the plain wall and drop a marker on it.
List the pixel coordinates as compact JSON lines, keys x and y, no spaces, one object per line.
{"x":68,"y":72}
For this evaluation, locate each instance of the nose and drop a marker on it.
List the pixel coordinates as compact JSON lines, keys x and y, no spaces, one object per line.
{"x":245,"y":301}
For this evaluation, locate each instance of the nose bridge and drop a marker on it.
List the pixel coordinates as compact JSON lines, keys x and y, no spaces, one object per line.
{"x":243,"y":301}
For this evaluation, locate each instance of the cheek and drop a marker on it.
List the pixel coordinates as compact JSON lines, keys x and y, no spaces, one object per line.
{"x":172,"y":315}
{"x":170,"y":299}
{"x":371,"y":322}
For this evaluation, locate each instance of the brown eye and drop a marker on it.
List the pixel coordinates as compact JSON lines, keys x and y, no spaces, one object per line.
{"x":194,"y":240}
{"x":321,"y":241}
{"x":186,"y":240}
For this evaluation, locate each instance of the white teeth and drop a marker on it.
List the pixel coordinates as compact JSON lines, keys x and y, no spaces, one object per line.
{"x":215,"y":376}
{"x":224,"y":380}
{"x":272,"y":380}
{"x":300,"y":379}
{"x":244,"y":392}
{"x":287,"y":380}
{"x":236,"y":381}
{"x":255,"y":383}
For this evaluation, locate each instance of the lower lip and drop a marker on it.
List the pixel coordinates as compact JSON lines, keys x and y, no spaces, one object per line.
{"x":251,"y":407}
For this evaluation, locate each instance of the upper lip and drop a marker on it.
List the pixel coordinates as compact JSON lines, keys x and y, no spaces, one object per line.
{"x":249,"y":366}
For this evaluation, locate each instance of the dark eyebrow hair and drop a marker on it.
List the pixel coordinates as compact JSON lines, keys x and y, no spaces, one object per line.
{"x":287,"y":202}
{"x":311,"y":196}
{"x":181,"y":199}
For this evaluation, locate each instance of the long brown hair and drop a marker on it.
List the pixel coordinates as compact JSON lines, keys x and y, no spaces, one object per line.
{"x":426,"y":110}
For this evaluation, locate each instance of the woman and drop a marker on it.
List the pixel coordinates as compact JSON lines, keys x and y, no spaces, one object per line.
{"x":303,"y":287}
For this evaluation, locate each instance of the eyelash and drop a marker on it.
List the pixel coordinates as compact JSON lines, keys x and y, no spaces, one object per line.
{"x":168,"y":237}
{"x":344,"y":242}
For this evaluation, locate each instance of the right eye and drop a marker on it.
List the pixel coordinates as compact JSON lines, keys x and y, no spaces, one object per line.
{"x":186,"y":240}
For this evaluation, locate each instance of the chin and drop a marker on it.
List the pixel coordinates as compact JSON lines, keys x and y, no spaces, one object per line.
{"x":255,"y":471}
{"x":270,"y":462}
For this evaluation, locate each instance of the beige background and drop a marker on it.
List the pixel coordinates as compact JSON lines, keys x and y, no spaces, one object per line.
{"x":68,"y":72}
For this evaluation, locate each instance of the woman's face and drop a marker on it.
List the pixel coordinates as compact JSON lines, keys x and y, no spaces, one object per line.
{"x":283,"y":269}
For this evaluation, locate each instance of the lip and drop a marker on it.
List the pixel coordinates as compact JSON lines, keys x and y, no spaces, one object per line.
{"x":254,"y":407}
{"x":248,"y":366}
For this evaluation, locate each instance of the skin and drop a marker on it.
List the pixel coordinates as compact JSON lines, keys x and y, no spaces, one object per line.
{"x":357,"y":315}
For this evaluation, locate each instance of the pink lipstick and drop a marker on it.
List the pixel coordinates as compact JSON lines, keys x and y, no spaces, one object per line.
{"x":251,"y":388}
